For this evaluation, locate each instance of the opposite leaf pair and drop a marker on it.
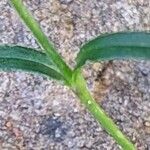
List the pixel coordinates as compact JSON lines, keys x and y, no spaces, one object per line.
{"x":129,"y":45}
{"x":106,"y":47}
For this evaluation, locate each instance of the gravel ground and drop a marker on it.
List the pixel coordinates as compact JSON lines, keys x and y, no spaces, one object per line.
{"x":38,"y":114}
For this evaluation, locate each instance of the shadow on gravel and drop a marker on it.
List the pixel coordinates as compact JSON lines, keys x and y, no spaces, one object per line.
{"x":54,"y":128}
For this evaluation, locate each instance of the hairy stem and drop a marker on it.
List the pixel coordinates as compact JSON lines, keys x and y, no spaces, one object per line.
{"x":79,"y":87}
{"x":42,"y":39}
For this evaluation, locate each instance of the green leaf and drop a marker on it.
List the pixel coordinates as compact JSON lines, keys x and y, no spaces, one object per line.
{"x":127,"y":45}
{"x":27,"y":59}
{"x":44,"y":42}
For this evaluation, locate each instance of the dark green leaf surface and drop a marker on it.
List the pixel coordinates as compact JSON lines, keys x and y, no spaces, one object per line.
{"x":27,"y":59}
{"x":128,"y":45}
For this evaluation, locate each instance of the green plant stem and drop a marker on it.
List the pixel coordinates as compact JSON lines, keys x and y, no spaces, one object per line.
{"x":80,"y":88}
{"x":32,"y":24}
{"x":74,"y":79}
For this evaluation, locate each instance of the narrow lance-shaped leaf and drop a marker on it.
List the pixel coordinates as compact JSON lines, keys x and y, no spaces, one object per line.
{"x":128,"y":45}
{"x":27,"y":59}
{"x":44,"y":42}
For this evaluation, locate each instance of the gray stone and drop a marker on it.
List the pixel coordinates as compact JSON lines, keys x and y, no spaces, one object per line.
{"x":49,"y":115}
